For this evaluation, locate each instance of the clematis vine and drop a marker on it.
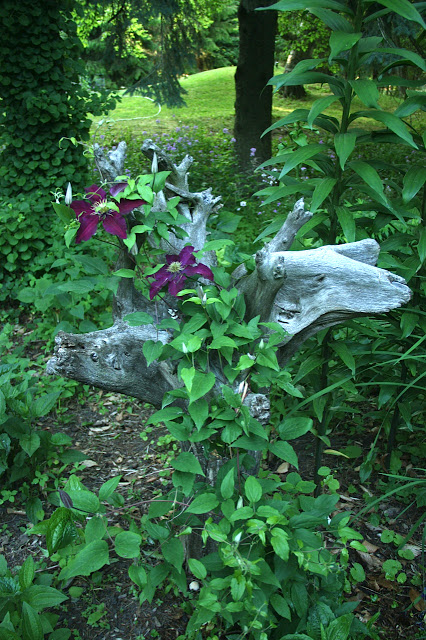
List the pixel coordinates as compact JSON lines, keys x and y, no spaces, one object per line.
{"x":176,"y":271}
{"x":98,"y":208}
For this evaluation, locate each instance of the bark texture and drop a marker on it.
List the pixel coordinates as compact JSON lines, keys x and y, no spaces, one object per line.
{"x":304,"y":291}
{"x":253,"y":103}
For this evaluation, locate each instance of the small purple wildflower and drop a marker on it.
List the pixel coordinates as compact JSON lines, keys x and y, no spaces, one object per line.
{"x":252,"y":151}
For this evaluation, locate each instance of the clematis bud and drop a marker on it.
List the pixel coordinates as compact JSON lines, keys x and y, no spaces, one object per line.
{"x":184,"y":348}
{"x":68,"y":195}
{"x":194,"y":586}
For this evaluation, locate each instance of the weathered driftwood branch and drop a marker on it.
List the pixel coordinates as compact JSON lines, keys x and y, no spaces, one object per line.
{"x":304,"y":291}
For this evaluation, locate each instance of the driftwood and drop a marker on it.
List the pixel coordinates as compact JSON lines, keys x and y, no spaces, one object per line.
{"x":304,"y":291}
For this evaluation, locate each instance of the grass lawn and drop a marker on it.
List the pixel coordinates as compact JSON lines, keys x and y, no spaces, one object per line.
{"x":210,"y":102}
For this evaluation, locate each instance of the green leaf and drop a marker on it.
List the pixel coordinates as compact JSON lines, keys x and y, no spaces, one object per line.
{"x":367,"y":92}
{"x":66,"y":214}
{"x":187,"y":462}
{"x":301,"y":155}
{"x":201,"y":385}
{"x":284,"y":451}
{"x":138,"y":575}
{"x":321,"y":191}
{"x":299,"y":597}
{"x":152,"y":351}
{"x":228,"y":484}
{"x":78,"y":286}
{"x":124,"y":273}
{"x":413,"y":181}
{"x":173,"y":552}
{"x":69,"y":236}
{"x":340,"y":629}
{"x":138,"y":318}
{"x":91,"y":558}
{"x":41,"y":597}
{"x":61,"y":529}
{"x":407,"y":55}
{"x":26,"y":573}
{"x":127,"y":544}
{"x":345,"y":355}
{"x":421,"y":247}
{"x":43,"y":405}
{"x":253,"y":489}
{"x":203,"y":503}
{"x":404,"y":9}
{"x":197,"y":568}
{"x":31,"y":623}
{"x":318,"y":107}
{"x":108,"y":487}
{"x":344,"y":143}
{"x":347,"y":222}
{"x":392,"y":122}
{"x":369,"y":175}
{"x":411,"y":105}
{"x":291,"y":428}
{"x":280,"y":605}
{"x":296,"y":5}
{"x":96,"y":529}
{"x":279,"y":541}
{"x":199,"y":412}
{"x":30,"y":443}
{"x":335,"y":21}
{"x":164,"y":415}
{"x":342,"y":41}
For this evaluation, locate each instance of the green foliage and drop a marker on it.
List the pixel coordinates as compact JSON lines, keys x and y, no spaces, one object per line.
{"x":43,"y":104}
{"x":23,"y":597}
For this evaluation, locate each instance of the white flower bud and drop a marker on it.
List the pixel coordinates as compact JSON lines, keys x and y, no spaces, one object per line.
{"x":68,"y":195}
{"x":154,"y":164}
{"x":194,"y":586}
{"x":184,"y":348}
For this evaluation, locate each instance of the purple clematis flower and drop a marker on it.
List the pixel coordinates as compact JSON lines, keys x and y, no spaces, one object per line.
{"x":175,"y":272}
{"x":97,"y":209}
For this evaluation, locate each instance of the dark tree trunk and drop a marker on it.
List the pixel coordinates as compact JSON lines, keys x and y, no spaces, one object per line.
{"x":253,"y":104}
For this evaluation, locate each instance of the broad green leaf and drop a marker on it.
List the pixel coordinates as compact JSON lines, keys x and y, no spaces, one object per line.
{"x":421,"y":247}
{"x":253,"y":489}
{"x":335,"y":21}
{"x":173,"y":552}
{"x":2,"y":404}
{"x":138,"y":318}
{"x":309,"y":77}
{"x":345,"y":355}
{"x":203,"y":503}
{"x":96,"y":529}
{"x":201,"y":385}
{"x":347,"y":222}
{"x":228,"y":484}
{"x":91,"y":558}
{"x":321,"y":191}
{"x":86,"y":501}
{"x":284,"y":451}
{"x":169,"y":413}
{"x":367,"y":92}
{"x":292,"y":428}
{"x":344,"y":143}
{"x":297,"y":5}
{"x":197,"y":568}
{"x":61,"y":529}
{"x":299,"y":597}
{"x":340,"y":628}
{"x":138,"y":575}
{"x":31,"y":623}
{"x":30,"y":443}
{"x":41,"y":597}
{"x":280,"y":605}
{"x":66,"y":214}
{"x":413,"y":181}
{"x":406,"y":54}
{"x":318,"y":107}
{"x":404,"y":9}
{"x":108,"y":487}
{"x":392,"y":122}
{"x":124,"y":273}
{"x":69,"y":236}
{"x":342,"y":41}
{"x":199,"y":412}
{"x":78,"y":286}
{"x":152,"y":351}
{"x":279,"y":541}
{"x":43,"y":405}
{"x":411,"y":105}
{"x":127,"y":544}
{"x":369,"y":175}
{"x":26,"y":573}
{"x":300,"y":155}
{"x":187,"y":462}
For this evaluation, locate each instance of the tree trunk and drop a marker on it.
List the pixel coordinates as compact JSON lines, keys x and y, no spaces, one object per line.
{"x":253,"y":103}
{"x":296,"y":92}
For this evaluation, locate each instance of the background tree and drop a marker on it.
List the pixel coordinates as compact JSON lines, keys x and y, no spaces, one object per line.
{"x":43,"y":103}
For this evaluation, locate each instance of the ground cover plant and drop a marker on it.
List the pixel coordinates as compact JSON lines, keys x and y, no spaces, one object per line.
{"x":281,"y":558}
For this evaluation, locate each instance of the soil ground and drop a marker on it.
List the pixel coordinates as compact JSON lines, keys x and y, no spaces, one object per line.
{"x":107,"y":429}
